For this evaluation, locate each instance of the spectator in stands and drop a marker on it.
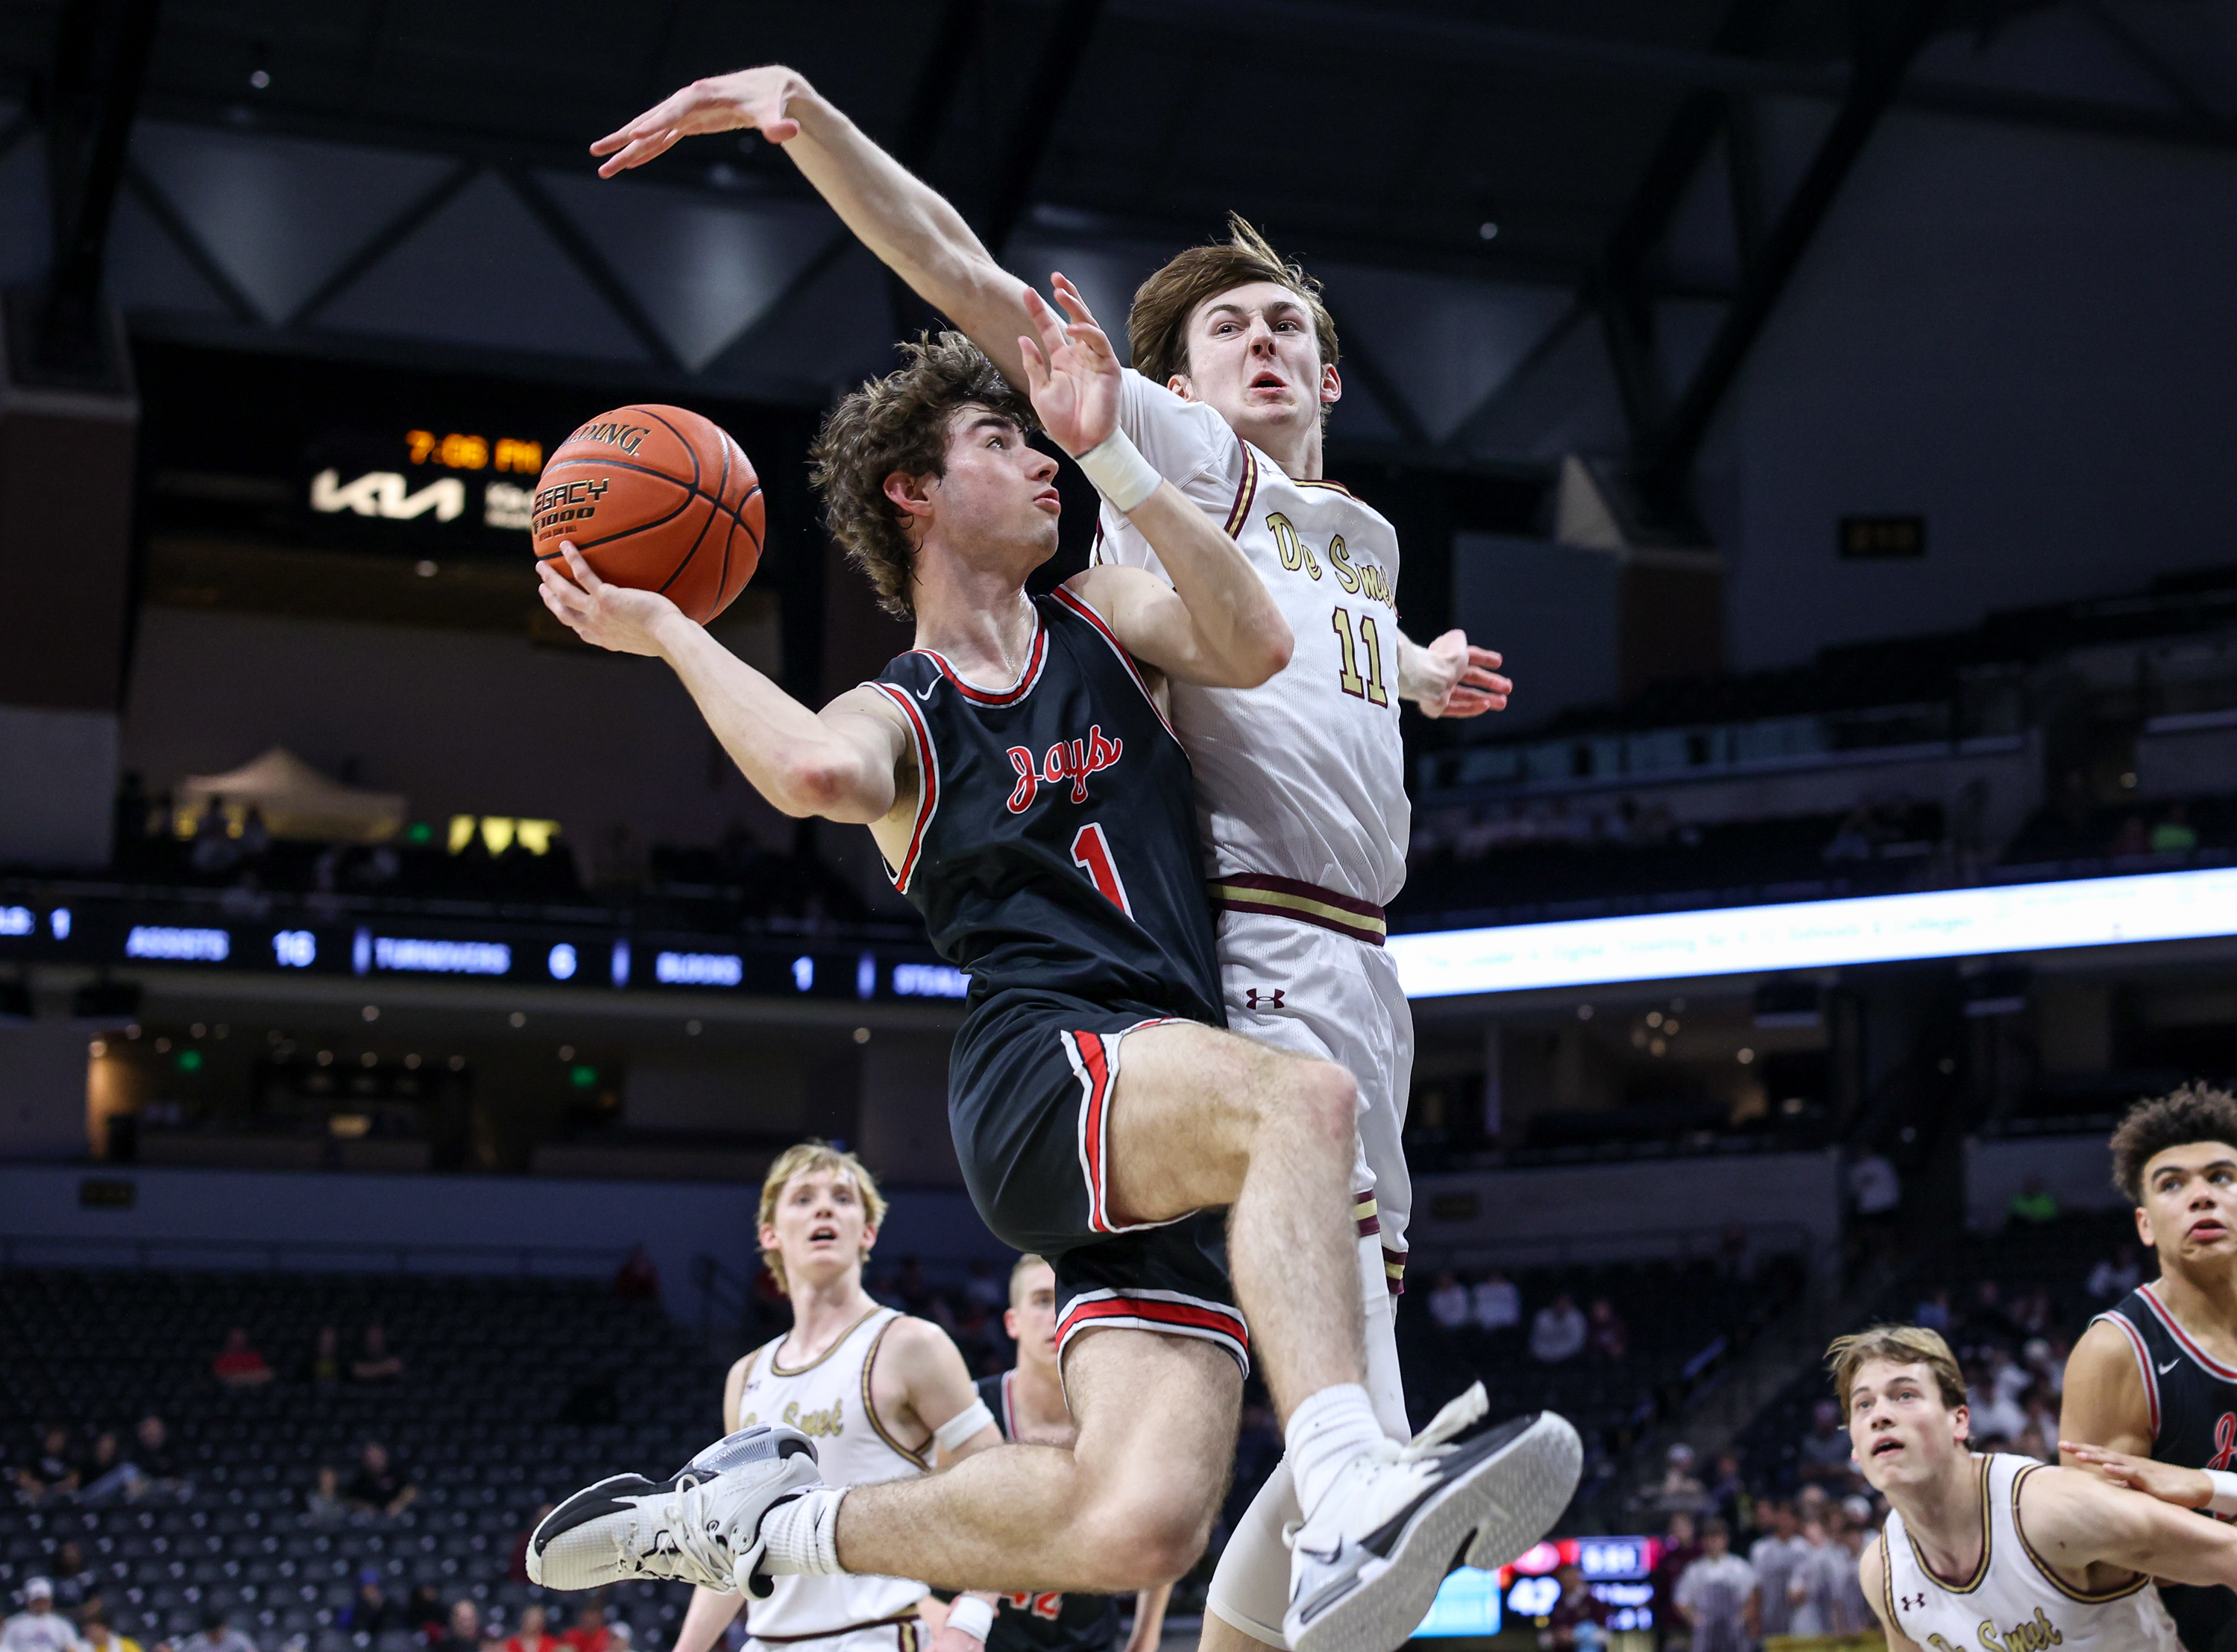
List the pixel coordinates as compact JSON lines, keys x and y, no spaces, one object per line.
{"x":2173,"y":834}
{"x":1717,"y":1596}
{"x":216,"y":1636}
{"x":1934,"y":1313}
{"x":1997,"y":1416}
{"x":38,"y":1627}
{"x":370,"y":1611}
{"x":239,"y":1366}
{"x":1679,"y":1550}
{"x":1607,"y":1336}
{"x":424,"y":1616}
{"x":325,"y":1505}
{"x":1775,"y":1557}
{"x":1498,"y":1304}
{"x":2116,"y":1276}
{"x":324,"y":1369}
{"x":1678,"y":1491}
{"x":74,"y":1580}
{"x":531,"y":1637}
{"x":462,"y":1630}
{"x":1849,"y":1535}
{"x":101,"y":1635}
{"x":52,"y":1472}
{"x":108,"y":1475}
{"x":637,"y":1279}
{"x":1558,"y":1331}
{"x":2032,"y":1203}
{"x":1808,"y":1590}
{"x":155,"y":1465}
{"x":377,"y":1484}
{"x":214,"y":850}
{"x":1448,"y":1304}
{"x":1875,"y":1189}
{"x":1827,"y":1458}
{"x":376,"y":1361}
{"x":2030,"y":1442}
{"x":1987,"y":1322}
{"x":589,"y":1633}
{"x":1577,"y":1607}
{"x":1725,"y":1494}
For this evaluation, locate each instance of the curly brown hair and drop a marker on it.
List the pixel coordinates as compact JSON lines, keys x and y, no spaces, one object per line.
{"x":2196,"y":1112}
{"x":1157,"y":326}
{"x":899,"y":423}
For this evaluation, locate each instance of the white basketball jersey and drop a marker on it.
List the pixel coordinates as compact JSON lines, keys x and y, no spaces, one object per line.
{"x":2013,"y":1600}
{"x":828,"y":1400}
{"x":1303,"y":776}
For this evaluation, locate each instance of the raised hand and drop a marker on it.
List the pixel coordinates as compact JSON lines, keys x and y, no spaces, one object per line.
{"x":1451,"y":677}
{"x":2185,"y":1488}
{"x":1072,"y":374}
{"x":618,"y":618}
{"x":751,"y":99}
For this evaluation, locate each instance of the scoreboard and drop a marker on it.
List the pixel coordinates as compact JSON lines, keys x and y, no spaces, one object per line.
{"x":1618,"y":1571}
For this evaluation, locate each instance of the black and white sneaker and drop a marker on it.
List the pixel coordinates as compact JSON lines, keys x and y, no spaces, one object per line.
{"x":1365,"y":1564}
{"x":702,"y":1525}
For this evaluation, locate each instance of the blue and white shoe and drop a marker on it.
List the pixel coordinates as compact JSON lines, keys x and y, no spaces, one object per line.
{"x":1366,"y":1562}
{"x":702,"y":1525}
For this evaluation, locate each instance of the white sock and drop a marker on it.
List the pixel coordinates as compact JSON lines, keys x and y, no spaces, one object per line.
{"x":801,"y":1534}
{"x":1325,"y":1432}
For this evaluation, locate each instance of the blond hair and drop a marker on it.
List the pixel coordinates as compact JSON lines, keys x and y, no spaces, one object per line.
{"x":1900,"y":1344}
{"x":1157,"y":326}
{"x":816,"y":1154}
{"x":1018,"y":1272}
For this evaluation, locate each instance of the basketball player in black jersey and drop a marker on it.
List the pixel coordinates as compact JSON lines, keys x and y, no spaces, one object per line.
{"x":1028,"y":1405}
{"x":1018,"y":774}
{"x":2151,"y":1388}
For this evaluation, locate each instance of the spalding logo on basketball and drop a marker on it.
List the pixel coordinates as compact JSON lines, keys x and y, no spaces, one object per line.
{"x":656,"y":498}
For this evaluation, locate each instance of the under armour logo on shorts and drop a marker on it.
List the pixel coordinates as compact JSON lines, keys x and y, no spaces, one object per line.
{"x":1263,"y":998}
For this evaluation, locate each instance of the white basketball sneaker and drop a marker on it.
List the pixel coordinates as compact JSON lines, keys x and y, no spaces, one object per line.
{"x":701,"y":1526}
{"x":1366,"y":1561}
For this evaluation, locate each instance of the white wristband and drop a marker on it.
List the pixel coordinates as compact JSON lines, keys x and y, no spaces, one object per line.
{"x":966,"y":1423}
{"x":968,"y":1615}
{"x":2224,"y":1500}
{"x":1118,"y":471}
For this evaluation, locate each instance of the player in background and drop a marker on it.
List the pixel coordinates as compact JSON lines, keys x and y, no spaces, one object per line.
{"x":1028,"y":1405}
{"x":1300,"y":780}
{"x":2151,"y":1388}
{"x":1073,"y":898}
{"x":882,"y":1395}
{"x":2000,"y":1551}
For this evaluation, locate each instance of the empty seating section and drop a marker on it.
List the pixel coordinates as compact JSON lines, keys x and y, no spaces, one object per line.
{"x":515,"y":1391}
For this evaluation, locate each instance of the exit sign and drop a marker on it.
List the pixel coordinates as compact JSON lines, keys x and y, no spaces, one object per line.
{"x":1868,"y":537}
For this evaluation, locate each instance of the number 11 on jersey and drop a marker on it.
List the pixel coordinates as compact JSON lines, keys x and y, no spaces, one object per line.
{"x":1091,"y":853}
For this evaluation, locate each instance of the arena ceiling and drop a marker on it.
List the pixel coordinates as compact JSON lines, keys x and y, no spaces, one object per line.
{"x":1544,"y":223}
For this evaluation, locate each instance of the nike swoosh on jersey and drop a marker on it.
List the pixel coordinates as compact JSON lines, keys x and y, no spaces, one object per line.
{"x":925,"y":693}
{"x":2170,"y":1364}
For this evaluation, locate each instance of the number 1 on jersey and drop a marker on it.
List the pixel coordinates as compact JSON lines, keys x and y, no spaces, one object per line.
{"x":1091,"y":853}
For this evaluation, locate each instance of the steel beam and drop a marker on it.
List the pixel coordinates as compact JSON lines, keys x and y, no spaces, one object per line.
{"x":1889,"y":38}
{"x":174,"y":224}
{"x":1053,"y":73}
{"x":593,"y":267}
{"x":384,"y":240}
{"x":1360,"y":361}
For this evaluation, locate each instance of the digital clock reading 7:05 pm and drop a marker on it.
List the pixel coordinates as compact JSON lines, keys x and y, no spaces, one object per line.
{"x":463,"y":453}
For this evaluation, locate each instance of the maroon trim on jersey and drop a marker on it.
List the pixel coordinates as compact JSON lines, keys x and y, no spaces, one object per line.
{"x":2213,"y":1367}
{"x":1393,"y":1270}
{"x":1245,"y":490}
{"x":1272,"y":897}
{"x":1169,"y":1312}
{"x":1015,"y":692}
{"x":2143,"y":1362}
{"x":928,"y":770}
{"x":1323,"y":482}
{"x":1064,"y":595}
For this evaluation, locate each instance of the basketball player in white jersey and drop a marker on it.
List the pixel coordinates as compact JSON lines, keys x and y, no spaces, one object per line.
{"x":880,"y":1393}
{"x":1998,"y":1553}
{"x":1300,"y":782}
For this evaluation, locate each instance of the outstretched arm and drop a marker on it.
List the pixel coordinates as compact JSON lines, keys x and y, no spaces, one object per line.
{"x":1217,"y":624}
{"x":2075,"y":1520}
{"x":899,"y":217}
{"x":1451,"y":677}
{"x":844,"y":764}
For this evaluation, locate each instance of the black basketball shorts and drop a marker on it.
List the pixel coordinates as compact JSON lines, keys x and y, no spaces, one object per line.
{"x":1030,"y":1086}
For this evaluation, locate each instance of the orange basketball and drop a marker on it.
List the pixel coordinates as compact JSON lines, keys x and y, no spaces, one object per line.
{"x":657,"y":498}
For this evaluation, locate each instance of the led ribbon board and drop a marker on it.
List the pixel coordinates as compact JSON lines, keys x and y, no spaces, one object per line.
{"x":1802,"y":935}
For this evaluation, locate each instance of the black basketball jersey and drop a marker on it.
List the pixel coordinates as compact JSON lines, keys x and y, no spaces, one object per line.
{"x":2194,"y":1408}
{"x":1055,"y":845}
{"x":1048,"y":1621}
